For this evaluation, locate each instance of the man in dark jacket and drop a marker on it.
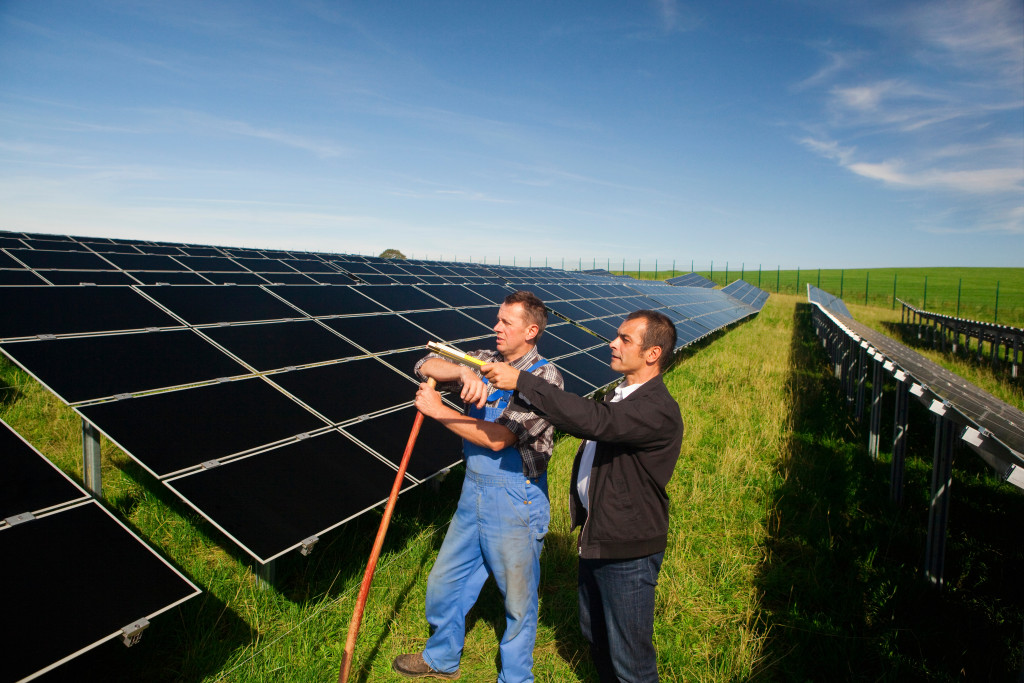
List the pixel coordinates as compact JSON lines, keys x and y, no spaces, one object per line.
{"x":618,"y":499}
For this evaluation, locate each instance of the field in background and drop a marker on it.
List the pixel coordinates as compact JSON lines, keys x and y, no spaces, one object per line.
{"x":989,"y":294}
{"x":786,"y":560}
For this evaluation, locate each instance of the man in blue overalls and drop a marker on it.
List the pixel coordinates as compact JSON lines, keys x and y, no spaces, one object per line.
{"x":502,"y":516}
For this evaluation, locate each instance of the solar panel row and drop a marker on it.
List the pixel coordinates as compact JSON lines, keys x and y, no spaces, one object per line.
{"x":214,"y":383}
{"x":57,"y":547}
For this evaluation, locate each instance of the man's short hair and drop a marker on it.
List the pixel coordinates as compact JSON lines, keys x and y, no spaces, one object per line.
{"x":659,"y":331}
{"x":533,"y":309}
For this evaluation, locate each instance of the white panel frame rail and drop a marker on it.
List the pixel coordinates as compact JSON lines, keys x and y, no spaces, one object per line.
{"x":995,"y":435}
{"x":942,"y":330}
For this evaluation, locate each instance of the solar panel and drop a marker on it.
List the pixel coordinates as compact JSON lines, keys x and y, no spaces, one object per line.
{"x":327,"y":301}
{"x":31,"y":483}
{"x":271,"y":346}
{"x":31,"y":311}
{"x":62,"y":260}
{"x":205,"y":305}
{"x":85,"y":368}
{"x":380,"y":333}
{"x":58,"y":548}
{"x":346,"y":391}
{"x":691,"y":280}
{"x":436,"y":447}
{"x":272,"y":502}
{"x":176,"y":430}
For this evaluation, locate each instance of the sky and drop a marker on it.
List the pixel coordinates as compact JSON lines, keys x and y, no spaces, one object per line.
{"x":788,"y":133}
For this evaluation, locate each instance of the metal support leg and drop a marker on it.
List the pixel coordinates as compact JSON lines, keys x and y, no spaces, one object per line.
{"x":862,"y":379}
{"x":91,"y":459}
{"x":899,"y":443}
{"x":876,"y":409}
{"x":938,"y":513}
{"x":266,"y":574}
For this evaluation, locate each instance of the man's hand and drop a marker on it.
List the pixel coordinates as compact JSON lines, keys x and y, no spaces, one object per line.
{"x":501,"y":375}
{"x":473,"y":388}
{"x":428,"y":401}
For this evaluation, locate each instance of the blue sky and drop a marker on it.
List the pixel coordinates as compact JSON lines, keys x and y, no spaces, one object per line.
{"x":795,"y":133}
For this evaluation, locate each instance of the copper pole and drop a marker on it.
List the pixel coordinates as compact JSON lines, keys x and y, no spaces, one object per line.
{"x":371,"y":565}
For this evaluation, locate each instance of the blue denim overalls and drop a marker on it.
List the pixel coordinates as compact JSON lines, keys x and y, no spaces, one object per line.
{"x":498,"y":529}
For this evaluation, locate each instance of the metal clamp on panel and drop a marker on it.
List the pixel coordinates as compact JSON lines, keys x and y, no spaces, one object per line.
{"x":20,"y":518}
{"x":210,"y":464}
{"x":47,"y":337}
{"x":939,"y":407}
{"x":120,"y":397}
{"x":900,"y":376}
{"x":302,"y":437}
{"x":889,"y":366}
{"x":918,"y":389}
{"x":132,"y":633}
{"x":973,"y":436}
{"x":307,"y":545}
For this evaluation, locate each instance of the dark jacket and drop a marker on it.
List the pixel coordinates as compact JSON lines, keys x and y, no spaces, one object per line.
{"x":638,"y":441}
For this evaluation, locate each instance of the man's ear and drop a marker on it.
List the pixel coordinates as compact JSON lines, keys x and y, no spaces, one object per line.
{"x":532,"y":331}
{"x":652,"y":355}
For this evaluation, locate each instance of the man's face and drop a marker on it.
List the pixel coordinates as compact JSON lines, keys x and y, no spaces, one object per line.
{"x":627,"y":354}
{"x":514,"y":332}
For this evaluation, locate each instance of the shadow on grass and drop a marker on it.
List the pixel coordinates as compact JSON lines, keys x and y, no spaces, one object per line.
{"x":844,"y":597}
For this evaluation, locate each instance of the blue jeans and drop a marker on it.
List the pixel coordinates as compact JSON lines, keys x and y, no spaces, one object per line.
{"x":617,"y":616}
{"x":498,"y":529}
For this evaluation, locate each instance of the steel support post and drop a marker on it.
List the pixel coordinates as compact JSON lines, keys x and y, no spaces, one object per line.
{"x":899,"y":443}
{"x":266,"y":574}
{"x":1016,"y":354}
{"x":92,"y":459}
{"x":938,"y":512}
{"x":862,"y":379}
{"x":876,"y":409}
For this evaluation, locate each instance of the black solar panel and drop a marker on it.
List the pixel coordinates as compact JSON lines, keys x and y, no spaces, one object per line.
{"x":271,"y":346}
{"x":176,"y":430}
{"x":271,"y":502}
{"x":58,"y":548}
{"x":436,"y":448}
{"x":86,"y":368}
{"x":31,"y":311}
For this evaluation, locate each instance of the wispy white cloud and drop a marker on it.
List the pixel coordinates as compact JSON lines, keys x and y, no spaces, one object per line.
{"x":931,"y":115}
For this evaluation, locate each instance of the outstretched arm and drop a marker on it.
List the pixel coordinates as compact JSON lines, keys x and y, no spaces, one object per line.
{"x":480,"y":432}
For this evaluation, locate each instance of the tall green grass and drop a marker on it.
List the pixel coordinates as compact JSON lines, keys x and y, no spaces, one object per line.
{"x":785,"y":561}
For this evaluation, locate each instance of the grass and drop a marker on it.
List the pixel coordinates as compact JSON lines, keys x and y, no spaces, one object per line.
{"x":786,"y":560}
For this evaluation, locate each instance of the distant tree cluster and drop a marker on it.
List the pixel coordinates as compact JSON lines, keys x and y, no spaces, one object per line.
{"x":392,"y":253}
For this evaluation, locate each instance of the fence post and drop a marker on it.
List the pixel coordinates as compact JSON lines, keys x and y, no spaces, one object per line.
{"x":743,"y":269}
{"x":712,"y":275}
{"x":726,"y":272}
{"x":759,"y":276}
{"x":819,"y":278}
{"x":996,"y":317}
{"x":894,"y":291}
{"x":638,"y":269}
{"x":655,"y":269}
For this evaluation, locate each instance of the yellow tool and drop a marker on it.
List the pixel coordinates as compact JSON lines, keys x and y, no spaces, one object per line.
{"x":454,"y":355}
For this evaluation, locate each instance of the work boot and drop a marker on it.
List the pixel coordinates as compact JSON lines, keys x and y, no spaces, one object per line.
{"x":414,"y":666}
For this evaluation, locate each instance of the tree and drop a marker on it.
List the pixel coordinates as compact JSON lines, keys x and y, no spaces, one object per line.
{"x":392,"y":253}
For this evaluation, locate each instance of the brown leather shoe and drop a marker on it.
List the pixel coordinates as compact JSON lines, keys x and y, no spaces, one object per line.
{"x":413,"y":666}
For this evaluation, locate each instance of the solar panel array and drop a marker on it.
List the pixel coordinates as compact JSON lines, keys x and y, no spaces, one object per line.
{"x":992,"y":427}
{"x":50,"y":532}
{"x":691,"y":280}
{"x":267,"y":388}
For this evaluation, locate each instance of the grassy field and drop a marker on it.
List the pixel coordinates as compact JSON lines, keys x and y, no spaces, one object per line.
{"x":786,"y":560}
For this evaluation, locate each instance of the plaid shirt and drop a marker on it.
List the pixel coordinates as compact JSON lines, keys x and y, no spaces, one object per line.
{"x":534,"y":434}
